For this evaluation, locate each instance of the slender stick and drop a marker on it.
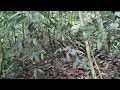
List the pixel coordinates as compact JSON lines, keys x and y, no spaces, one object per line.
{"x":87,"y":48}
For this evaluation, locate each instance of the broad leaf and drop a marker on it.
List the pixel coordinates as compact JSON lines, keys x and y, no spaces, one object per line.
{"x":20,"y":45}
{"x":99,"y":44}
{"x":20,"y":19}
{"x":40,"y":71}
{"x":114,"y":25}
{"x":68,"y":57}
{"x":33,"y":55}
{"x":37,"y":58}
{"x":117,"y":13}
{"x":76,"y":63}
{"x":42,"y":56}
{"x":64,"y":60}
{"x":35,"y":73}
{"x":16,"y":14}
{"x":35,"y":42}
{"x":72,"y":52}
{"x":84,"y":65}
{"x":34,"y":16}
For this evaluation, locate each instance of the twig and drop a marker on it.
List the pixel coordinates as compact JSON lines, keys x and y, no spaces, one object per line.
{"x":97,"y":68}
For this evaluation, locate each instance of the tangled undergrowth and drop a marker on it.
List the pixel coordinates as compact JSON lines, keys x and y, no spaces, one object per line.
{"x":57,"y":69}
{"x":110,"y":69}
{"x":59,"y":45}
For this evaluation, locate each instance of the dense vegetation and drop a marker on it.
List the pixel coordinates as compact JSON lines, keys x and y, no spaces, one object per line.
{"x":59,"y":45}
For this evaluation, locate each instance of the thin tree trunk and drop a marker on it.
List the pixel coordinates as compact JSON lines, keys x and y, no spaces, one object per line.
{"x":23,"y":34}
{"x":2,"y":54}
{"x":88,"y":49}
{"x":101,"y":27}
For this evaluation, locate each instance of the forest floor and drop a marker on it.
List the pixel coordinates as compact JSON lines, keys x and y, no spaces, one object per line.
{"x":54,"y":69}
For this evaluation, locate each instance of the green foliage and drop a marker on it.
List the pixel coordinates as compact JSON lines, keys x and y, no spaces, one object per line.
{"x":117,"y":13}
{"x":87,"y":28}
{"x":55,"y":34}
{"x":114,"y":25}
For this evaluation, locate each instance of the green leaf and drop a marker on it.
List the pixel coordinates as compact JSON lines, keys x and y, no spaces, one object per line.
{"x":0,"y":64}
{"x":42,"y":56}
{"x":40,"y":71}
{"x":79,"y":52}
{"x":56,"y":51}
{"x":20,"y":19}
{"x":35,"y":73}
{"x":117,"y":13}
{"x":66,"y":49}
{"x":16,"y":14}
{"x":20,"y":45}
{"x":42,"y":51}
{"x":112,"y":38}
{"x":52,"y":23}
{"x":34,"y":16}
{"x":84,"y":65}
{"x":35,"y":42}
{"x":33,"y":55}
{"x":10,"y":68}
{"x":6,"y":64}
{"x":114,"y":25}
{"x":99,"y":35}
{"x":68,"y":57}
{"x":9,"y":54}
{"x":99,"y":44}
{"x":76,"y":63}
{"x":64,"y":60}
{"x":72,"y":52}
{"x":29,"y":39}
{"x":47,"y":25}
{"x":37,"y":57}
{"x":18,"y":26}
{"x":87,"y":28}
{"x":106,"y":34}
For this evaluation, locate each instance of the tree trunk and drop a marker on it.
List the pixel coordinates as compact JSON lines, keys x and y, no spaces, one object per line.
{"x":88,"y":49}
{"x":101,"y":27}
{"x":2,"y":54}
